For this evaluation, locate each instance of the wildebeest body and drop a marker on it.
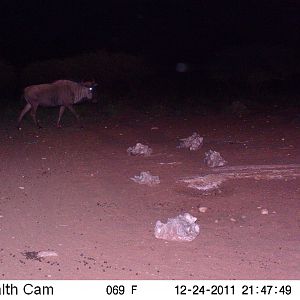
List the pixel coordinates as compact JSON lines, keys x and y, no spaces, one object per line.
{"x":48,"y":95}
{"x":63,"y":93}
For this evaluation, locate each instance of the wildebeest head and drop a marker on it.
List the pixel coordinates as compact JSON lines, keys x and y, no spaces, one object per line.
{"x":83,"y":89}
{"x":90,"y":85}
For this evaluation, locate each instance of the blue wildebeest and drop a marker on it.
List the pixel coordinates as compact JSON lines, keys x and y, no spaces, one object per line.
{"x":63,"y":93}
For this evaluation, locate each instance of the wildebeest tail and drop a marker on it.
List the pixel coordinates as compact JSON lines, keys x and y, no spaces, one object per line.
{"x":22,"y":98}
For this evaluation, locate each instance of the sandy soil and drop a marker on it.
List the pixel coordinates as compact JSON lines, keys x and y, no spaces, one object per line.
{"x":69,"y":190}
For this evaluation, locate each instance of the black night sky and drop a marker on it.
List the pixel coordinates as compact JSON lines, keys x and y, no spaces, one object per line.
{"x":198,"y":49}
{"x":161,"y":30}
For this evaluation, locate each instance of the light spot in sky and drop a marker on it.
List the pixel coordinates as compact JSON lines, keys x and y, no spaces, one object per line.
{"x":181,"y":67}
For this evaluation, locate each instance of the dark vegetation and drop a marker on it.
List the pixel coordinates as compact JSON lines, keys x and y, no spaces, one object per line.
{"x":254,"y":75}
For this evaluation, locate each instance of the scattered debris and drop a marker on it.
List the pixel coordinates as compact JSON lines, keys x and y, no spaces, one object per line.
{"x":146,"y":178}
{"x":38,"y":255}
{"x":182,"y":228}
{"x":203,"y":209}
{"x":232,"y":219}
{"x":264,"y":211}
{"x":31,"y":255}
{"x":139,"y":149}
{"x":21,"y":187}
{"x":205,"y":183}
{"x":170,"y":163}
{"x":193,"y":142}
{"x":214,"y":159}
{"x":258,"y":172}
{"x":247,"y":168}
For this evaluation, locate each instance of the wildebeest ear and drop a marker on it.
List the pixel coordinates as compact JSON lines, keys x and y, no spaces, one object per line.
{"x":92,"y":83}
{"x":85,"y":83}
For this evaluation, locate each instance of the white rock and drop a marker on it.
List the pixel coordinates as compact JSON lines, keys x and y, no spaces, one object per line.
{"x":203,"y":209}
{"x":140,"y":149}
{"x":264,"y":211}
{"x":46,"y":253}
{"x":146,"y":178}
{"x":193,"y":142}
{"x":214,"y":159}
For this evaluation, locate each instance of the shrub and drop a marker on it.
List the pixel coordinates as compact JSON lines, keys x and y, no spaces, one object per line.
{"x":7,"y":78}
{"x":110,"y":70}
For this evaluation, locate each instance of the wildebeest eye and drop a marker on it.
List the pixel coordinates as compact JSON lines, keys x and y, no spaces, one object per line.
{"x":90,"y":89}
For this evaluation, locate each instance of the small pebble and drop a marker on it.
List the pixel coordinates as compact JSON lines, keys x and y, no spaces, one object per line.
{"x":203,"y":209}
{"x":264,"y":211}
{"x":46,"y":253}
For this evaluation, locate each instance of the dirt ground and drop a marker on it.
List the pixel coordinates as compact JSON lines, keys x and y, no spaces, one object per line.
{"x":69,"y":190}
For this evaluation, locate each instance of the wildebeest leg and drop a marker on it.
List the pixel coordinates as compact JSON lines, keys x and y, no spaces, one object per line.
{"x":61,"y":111}
{"x":72,"y":110}
{"x":33,"y":114}
{"x":24,"y":111}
